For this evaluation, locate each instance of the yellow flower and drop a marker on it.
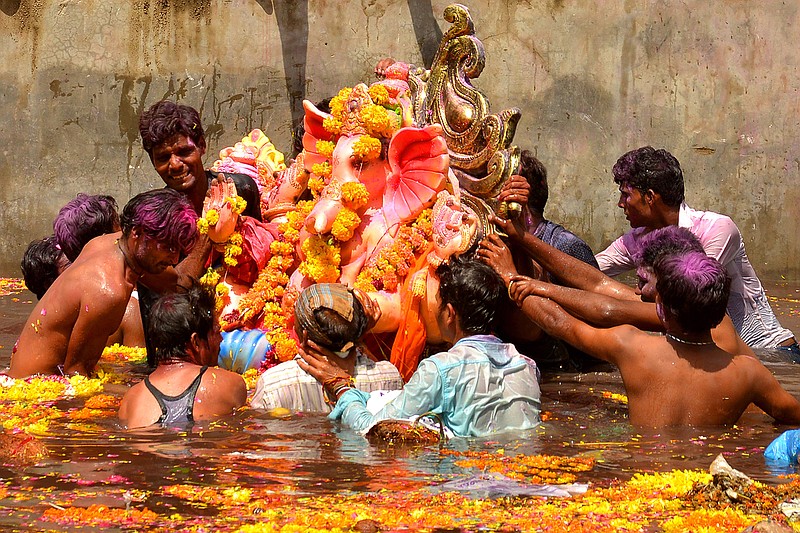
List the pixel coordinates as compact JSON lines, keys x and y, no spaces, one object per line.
{"x":323,"y":170}
{"x":238,"y":204}
{"x":322,"y":260}
{"x":212,"y":217}
{"x":345,"y":224}
{"x":332,"y":125}
{"x":367,"y":148}
{"x":210,"y":278}
{"x":379,"y":94}
{"x":202,"y":226}
{"x":355,"y":195}
{"x":338,"y":102}
{"x":376,"y":121}
{"x":325,"y":148}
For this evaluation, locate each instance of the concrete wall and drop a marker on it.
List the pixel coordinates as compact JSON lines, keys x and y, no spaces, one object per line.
{"x":715,"y":82}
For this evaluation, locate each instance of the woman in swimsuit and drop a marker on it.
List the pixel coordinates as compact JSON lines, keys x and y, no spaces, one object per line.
{"x":185,"y":386}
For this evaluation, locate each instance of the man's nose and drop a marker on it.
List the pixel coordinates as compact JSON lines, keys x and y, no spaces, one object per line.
{"x":620,"y":203}
{"x":175,"y":162}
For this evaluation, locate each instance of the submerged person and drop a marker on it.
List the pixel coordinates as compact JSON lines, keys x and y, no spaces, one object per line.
{"x":68,"y":328}
{"x":652,"y":196}
{"x":185,"y":386}
{"x":597,"y":298}
{"x":692,"y":294}
{"x":173,"y":137}
{"x":78,"y":222}
{"x":478,"y":387}
{"x":336,"y":318}
{"x":528,"y":186}
{"x":42,"y":262}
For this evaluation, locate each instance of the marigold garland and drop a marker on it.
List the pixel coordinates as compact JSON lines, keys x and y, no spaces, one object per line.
{"x":367,"y":148}
{"x":345,"y":224}
{"x":98,"y":515}
{"x":120,"y":353}
{"x":323,"y":258}
{"x":355,"y":195}
{"x":379,"y":94}
{"x":325,"y":148}
{"x":387,"y":269}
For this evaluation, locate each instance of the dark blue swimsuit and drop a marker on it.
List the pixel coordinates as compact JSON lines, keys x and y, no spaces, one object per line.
{"x":176,"y":410}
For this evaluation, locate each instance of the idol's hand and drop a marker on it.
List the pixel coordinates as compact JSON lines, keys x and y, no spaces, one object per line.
{"x":383,"y":64}
{"x":221,"y":197}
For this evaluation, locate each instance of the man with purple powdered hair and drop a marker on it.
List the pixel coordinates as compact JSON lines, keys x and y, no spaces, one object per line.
{"x":682,"y":378}
{"x":652,"y":196}
{"x":68,"y":328}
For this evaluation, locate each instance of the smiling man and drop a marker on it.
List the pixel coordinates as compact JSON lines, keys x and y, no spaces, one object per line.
{"x":67,"y":330}
{"x":652,"y":196}
{"x":173,"y":137}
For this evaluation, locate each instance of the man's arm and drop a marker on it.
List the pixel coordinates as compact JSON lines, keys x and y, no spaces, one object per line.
{"x":612,"y":344}
{"x":99,"y":316}
{"x":772,"y":398}
{"x":599,"y":309}
{"x":568,"y":269}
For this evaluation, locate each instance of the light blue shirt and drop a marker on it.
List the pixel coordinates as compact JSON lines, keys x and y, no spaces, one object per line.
{"x":478,"y":387}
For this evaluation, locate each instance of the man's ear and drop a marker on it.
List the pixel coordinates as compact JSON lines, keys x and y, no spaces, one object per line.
{"x":650,"y":196}
{"x":450,"y":317}
{"x":194,"y":346}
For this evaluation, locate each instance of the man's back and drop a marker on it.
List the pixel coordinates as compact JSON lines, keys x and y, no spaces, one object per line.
{"x":71,"y":323}
{"x":670,"y":383}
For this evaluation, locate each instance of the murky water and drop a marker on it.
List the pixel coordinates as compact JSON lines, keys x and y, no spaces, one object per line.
{"x":94,"y":461}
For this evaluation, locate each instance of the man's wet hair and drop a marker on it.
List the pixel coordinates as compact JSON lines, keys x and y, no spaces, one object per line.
{"x":474,"y":290}
{"x":82,"y":219}
{"x":164,"y":215}
{"x":40,"y":264}
{"x":165,"y":119}
{"x":535,"y":173}
{"x":666,"y":241}
{"x":175,"y":317}
{"x":694,"y":288}
{"x":647,"y":168}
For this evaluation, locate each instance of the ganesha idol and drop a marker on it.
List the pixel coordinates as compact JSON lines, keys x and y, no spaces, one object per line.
{"x":390,"y":183}
{"x":355,"y":207}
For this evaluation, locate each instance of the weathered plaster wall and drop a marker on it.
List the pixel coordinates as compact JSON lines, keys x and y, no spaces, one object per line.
{"x":716,"y":83}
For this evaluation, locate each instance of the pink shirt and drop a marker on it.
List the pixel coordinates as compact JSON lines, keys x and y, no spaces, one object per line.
{"x":747,"y":306}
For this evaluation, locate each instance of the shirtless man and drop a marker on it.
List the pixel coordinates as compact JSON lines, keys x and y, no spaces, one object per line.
{"x":67,"y":330}
{"x":173,"y":137}
{"x":185,"y":386}
{"x":78,"y":222}
{"x":595,"y":297}
{"x":683,"y":378}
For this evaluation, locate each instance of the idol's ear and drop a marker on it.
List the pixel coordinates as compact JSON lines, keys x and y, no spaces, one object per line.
{"x":418,"y":162}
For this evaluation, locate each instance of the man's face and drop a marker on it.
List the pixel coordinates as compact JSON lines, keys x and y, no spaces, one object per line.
{"x":646,"y":286}
{"x":154,"y":256}
{"x":633,"y":203}
{"x":179,"y":162}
